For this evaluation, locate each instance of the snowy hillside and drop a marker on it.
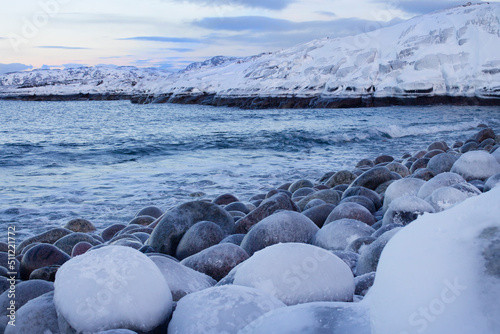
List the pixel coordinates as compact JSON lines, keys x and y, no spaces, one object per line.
{"x":451,"y":53}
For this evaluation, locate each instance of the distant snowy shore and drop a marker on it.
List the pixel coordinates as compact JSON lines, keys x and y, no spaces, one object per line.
{"x":447,"y":57}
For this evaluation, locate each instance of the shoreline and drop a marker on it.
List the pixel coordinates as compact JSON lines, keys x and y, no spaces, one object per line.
{"x":271,"y":102}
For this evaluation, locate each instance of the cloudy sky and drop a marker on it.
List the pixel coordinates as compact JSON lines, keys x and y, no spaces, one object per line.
{"x":170,"y":34}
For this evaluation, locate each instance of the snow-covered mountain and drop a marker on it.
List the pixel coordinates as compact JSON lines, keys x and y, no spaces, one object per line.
{"x":451,"y":54}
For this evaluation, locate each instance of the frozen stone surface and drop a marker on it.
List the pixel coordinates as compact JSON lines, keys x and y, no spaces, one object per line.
{"x":476,"y":165}
{"x":439,"y":181}
{"x":112,"y":287}
{"x":408,"y":186}
{"x":339,"y":234}
{"x":441,"y":274}
{"x":313,"y":318}
{"x":181,"y":279}
{"x":222,"y":309}
{"x":406,"y":209}
{"x":297,"y":273}
{"x":446,"y":197}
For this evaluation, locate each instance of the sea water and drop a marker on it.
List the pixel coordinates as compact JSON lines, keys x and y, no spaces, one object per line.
{"x":103,"y":161}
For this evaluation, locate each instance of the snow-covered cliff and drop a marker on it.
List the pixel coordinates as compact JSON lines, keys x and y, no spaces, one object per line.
{"x":453,"y":53}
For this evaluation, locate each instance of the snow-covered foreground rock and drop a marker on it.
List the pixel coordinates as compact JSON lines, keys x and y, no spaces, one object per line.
{"x":449,"y":56}
{"x":441,"y":273}
{"x":112,"y":287}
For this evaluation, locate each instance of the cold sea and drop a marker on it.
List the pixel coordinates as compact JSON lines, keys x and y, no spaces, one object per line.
{"x":103,"y":161}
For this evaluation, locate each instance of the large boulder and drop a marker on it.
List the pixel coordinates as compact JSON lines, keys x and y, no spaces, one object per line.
{"x":280,"y":201}
{"x":297,"y":273}
{"x":112,"y":287}
{"x":40,"y":256}
{"x":476,"y":165}
{"x":199,"y":237}
{"x":441,"y":274}
{"x":174,"y":223}
{"x":284,"y":226}
{"x":222,"y":309}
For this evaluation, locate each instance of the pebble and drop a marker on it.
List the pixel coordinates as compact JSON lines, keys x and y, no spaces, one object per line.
{"x":41,"y":255}
{"x":199,"y":237}
{"x":80,"y":225}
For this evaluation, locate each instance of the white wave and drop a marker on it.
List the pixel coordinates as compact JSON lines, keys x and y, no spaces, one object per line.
{"x":397,"y":131}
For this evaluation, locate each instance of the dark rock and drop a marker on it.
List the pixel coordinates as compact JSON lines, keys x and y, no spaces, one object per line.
{"x":4,"y":247}
{"x":285,"y":186}
{"x":134,"y":228}
{"x":225,"y":199}
{"x":424,"y":174}
{"x":258,"y":197}
{"x":383,"y":158}
{"x":152,"y":211}
{"x":419,"y":154}
{"x":49,"y":237}
{"x":365,"y":162}
{"x":351,"y":211}
{"x":40,"y":256}
{"x":372,"y":178}
{"x":433,"y":153}
{"x":146,"y":249}
{"x":25,"y":291}
{"x":350,"y":258}
{"x":143,"y":236}
{"x":458,"y":144}
{"x":337,"y":235}
{"x":281,"y":227}
{"x":128,"y":243}
{"x":216,"y":261}
{"x":483,"y":135}
{"x":142,"y":220}
{"x":325,"y":177}
{"x":470,"y":146}
{"x":398,"y":168}
{"x":169,"y":231}
{"x":420,"y":163}
{"x":361,"y":200}
{"x":341,"y":177}
{"x":81,"y":248}
{"x":237,"y":206}
{"x":438,"y":145}
{"x":302,"y":192}
{"x":328,"y":196}
{"x":382,"y":188}
{"x":341,"y":187}
{"x":313,"y":203}
{"x":108,"y":233}
{"x":45,"y":273}
{"x":300,"y":184}
{"x":67,"y":243}
{"x":362,"y":191}
{"x":370,"y":255}
{"x":267,"y":208}
{"x":199,"y":237}
{"x":124,"y":236}
{"x":233,"y":239}
{"x":318,"y":214}
{"x":357,"y":245}
{"x":487,"y":142}
{"x":364,"y":283}
{"x":80,"y":225}
{"x":320,"y":187}
{"x":441,"y":163}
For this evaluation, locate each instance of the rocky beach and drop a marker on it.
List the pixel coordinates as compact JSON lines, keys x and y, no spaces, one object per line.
{"x":403,"y":244}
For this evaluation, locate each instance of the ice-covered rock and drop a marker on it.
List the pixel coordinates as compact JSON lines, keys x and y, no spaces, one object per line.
{"x":351,"y":210}
{"x":405,"y":209}
{"x":112,"y":287}
{"x":476,"y":165}
{"x":496,"y":155}
{"x":339,"y":234}
{"x":439,"y":181}
{"x":446,"y":197}
{"x":222,"y":309}
{"x":441,"y":273}
{"x":370,"y":255}
{"x":492,"y":182}
{"x":181,"y":279}
{"x":403,"y":187}
{"x":297,"y":273}
{"x":313,"y":318}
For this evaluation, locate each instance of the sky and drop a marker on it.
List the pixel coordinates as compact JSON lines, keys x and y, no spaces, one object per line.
{"x":170,"y":34}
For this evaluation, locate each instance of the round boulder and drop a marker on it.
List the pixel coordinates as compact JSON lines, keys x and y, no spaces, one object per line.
{"x":199,"y":237}
{"x":80,"y":225}
{"x":40,"y":256}
{"x":351,"y":210}
{"x":283,"y":226}
{"x":476,"y":165}
{"x":339,"y":234}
